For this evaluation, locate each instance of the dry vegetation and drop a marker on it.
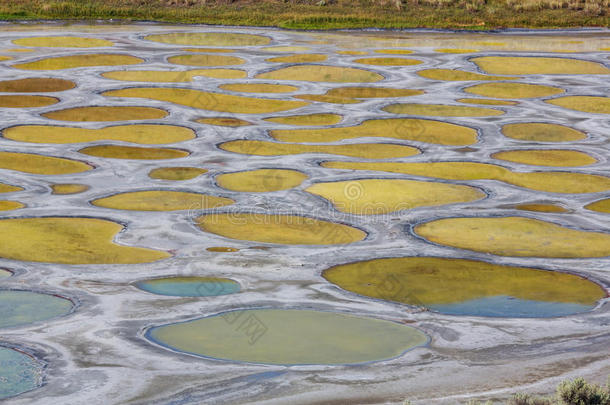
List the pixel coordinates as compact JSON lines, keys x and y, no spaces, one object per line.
{"x":325,"y":14}
{"x":590,"y":7}
{"x":569,"y":392}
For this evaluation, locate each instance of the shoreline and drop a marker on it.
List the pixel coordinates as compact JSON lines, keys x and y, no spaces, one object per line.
{"x":365,"y":30}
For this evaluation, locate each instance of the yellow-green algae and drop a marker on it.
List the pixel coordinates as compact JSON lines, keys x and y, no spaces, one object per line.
{"x":40,"y":164}
{"x":161,"y":200}
{"x":258,"y":87}
{"x":388,"y":61}
{"x":69,"y":240}
{"x":383,"y":196}
{"x":289,"y":337}
{"x":515,"y":236}
{"x":224,"y":122}
{"x":5,"y":273}
{"x":513,"y":65}
{"x":590,"y":104}
{"x":546,"y":157}
{"x":106,"y":113}
{"x":138,"y":133}
{"x":307,"y":120}
{"x":62,"y":42}
{"x":433,"y":280}
{"x":393,"y":51}
{"x":299,"y":58}
{"x":222,"y":249}
{"x":176,"y":173}
{"x":552,"y":182}
{"x":205,"y":60}
{"x":513,"y":90}
{"x":441,"y":110}
{"x":6,"y":205}
{"x":68,"y":188}
{"x":19,"y":101}
{"x":279,"y":229}
{"x":322,"y":98}
{"x":458,"y":75}
{"x":36,"y":85}
{"x":485,"y":101}
{"x":209,"y":39}
{"x":77,"y":61}
{"x":600,"y":206}
{"x":413,"y":129}
{"x":3,"y":58}
{"x":347,"y":95}
{"x":133,"y":152}
{"x":542,"y":132}
{"x":261,"y":180}
{"x":208,"y":100}
{"x":6,"y":188}
{"x":358,"y":150}
{"x":549,"y":208}
{"x":322,"y":73}
{"x":443,"y":284}
{"x":372,"y":92}
{"x":167,"y":76}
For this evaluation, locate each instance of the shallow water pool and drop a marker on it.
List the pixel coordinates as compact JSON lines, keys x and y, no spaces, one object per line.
{"x":19,"y":372}
{"x":189,"y":286}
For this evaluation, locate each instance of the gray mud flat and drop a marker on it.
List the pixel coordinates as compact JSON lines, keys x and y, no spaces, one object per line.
{"x":100,"y":353}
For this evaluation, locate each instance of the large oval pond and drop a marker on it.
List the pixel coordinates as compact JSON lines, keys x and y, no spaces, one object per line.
{"x":289,"y":337}
{"x":468,"y":287}
{"x":279,"y":228}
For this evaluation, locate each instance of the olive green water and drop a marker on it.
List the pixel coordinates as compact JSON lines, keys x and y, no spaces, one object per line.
{"x":289,"y":337}
{"x":466,"y":287}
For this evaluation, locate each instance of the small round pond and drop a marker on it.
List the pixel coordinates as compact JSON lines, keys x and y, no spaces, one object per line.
{"x":189,"y":286}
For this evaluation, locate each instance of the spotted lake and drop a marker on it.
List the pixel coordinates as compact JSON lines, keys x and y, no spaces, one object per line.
{"x":214,"y":215}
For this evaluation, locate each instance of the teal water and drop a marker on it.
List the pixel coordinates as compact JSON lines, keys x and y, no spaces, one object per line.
{"x":18,"y":372}
{"x":190,"y":286}
{"x":24,"y":307}
{"x":5,"y":273}
{"x":504,"y":306}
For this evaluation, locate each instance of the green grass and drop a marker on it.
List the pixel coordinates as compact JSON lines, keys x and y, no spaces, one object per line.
{"x":324,"y":14}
